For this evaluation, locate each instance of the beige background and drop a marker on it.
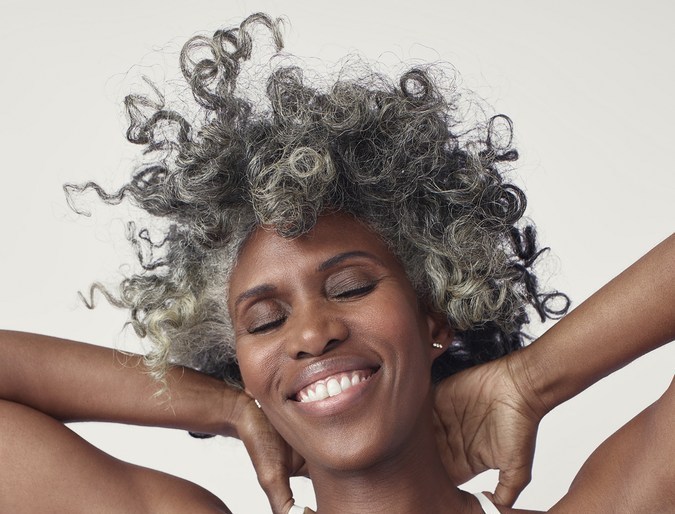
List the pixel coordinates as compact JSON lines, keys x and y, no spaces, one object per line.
{"x":588,"y":85}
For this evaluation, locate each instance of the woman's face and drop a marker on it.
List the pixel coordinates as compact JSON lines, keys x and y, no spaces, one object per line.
{"x":333,"y":342}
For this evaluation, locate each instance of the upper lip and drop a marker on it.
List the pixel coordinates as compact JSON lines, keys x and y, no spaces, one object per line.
{"x":324,"y":368}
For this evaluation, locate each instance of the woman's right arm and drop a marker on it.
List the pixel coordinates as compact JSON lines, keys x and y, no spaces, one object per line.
{"x":46,"y":467}
{"x":46,"y":381}
{"x":72,"y":381}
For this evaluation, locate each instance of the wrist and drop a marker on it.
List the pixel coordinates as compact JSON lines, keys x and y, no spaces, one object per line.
{"x":233,"y":404}
{"x":200,"y":403}
{"x":531,"y":379}
{"x":552,"y":370}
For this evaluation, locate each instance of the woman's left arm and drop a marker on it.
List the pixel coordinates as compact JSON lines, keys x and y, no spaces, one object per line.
{"x":630,"y":316}
{"x":487,"y":416}
{"x":633,"y":471}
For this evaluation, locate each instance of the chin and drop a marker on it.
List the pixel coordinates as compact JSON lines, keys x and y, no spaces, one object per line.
{"x":349,"y":445}
{"x":350,"y":456}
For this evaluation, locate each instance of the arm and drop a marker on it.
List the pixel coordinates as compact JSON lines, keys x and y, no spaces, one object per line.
{"x":633,"y":470}
{"x":487,"y":416}
{"x":45,"y":467}
{"x":72,"y":381}
{"x":630,"y":316}
{"x":55,"y":379}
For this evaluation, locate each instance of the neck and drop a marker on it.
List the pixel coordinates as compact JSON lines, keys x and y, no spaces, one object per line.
{"x":411,"y":479}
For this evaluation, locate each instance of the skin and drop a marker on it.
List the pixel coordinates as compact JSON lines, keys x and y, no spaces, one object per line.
{"x":46,"y":382}
{"x":341,"y":299}
{"x":488,"y":415}
{"x":495,"y":408}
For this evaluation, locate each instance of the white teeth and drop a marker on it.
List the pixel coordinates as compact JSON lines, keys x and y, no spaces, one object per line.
{"x":333,"y":387}
{"x":321,"y":392}
{"x":345,"y":383}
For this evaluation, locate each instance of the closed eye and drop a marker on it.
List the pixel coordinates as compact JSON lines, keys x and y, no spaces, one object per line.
{"x":264,"y":327}
{"x":356,"y":291}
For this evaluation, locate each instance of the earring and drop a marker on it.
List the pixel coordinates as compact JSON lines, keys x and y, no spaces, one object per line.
{"x":257,"y":403}
{"x":436,"y":345}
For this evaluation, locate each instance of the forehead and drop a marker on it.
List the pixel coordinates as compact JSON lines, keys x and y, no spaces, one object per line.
{"x":266,"y":254}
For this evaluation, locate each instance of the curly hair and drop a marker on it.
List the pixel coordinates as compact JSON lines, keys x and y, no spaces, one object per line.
{"x":391,"y":154}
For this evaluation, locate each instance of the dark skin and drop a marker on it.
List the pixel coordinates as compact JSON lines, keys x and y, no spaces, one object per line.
{"x":487,"y":417}
{"x":628,"y":317}
{"x":342,"y":303}
{"x":495,"y":407}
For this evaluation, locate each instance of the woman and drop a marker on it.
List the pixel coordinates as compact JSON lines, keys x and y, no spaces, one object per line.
{"x":156,"y":316}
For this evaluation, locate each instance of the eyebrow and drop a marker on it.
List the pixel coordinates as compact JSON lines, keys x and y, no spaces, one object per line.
{"x":254,"y":291}
{"x":339,"y":258}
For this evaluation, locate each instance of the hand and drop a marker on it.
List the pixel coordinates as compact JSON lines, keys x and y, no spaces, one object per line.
{"x":487,"y":417}
{"x":273,"y":459}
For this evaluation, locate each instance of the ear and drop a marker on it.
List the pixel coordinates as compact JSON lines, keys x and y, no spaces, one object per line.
{"x":440,"y":332}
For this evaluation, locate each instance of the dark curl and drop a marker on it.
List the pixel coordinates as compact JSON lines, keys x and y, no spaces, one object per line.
{"x":391,"y":154}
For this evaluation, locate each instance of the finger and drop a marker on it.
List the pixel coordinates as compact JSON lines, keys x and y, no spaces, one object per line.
{"x":511,"y":484}
{"x":298,"y":465}
{"x":295,"y":509}
{"x":277,"y":487}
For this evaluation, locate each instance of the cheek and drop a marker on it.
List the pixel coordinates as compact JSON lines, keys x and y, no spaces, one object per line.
{"x":398,"y":318}
{"x":399,"y":324}
{"x":254,"y":364}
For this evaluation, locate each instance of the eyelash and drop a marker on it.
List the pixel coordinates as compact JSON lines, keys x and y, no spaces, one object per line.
{"x":355,"y":292}
{"x":267,"y":326}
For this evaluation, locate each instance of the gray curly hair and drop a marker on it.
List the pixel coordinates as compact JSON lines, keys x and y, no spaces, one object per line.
{"x":391,"y":154}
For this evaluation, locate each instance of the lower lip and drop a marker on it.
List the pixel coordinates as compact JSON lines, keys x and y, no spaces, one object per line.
{"x":341,"y":402}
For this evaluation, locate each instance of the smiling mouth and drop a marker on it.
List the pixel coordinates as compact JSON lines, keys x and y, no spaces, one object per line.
{"x":333,"y":385}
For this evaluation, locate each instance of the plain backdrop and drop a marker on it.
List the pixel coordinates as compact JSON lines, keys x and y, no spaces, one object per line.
{"x":587,"y":84}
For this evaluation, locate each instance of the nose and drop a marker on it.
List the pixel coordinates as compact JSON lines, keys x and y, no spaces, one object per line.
{"x":317,"y":328}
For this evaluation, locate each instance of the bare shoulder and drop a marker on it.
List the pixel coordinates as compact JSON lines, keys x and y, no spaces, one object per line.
{"x":168,"y":494}
{"x":46,"y":467}
{"x":633,"y":471}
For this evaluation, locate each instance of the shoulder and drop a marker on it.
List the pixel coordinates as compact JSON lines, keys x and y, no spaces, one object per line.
{"x":633,"y":470}
{"x":161,"y":492}
{"x":46,"y":467}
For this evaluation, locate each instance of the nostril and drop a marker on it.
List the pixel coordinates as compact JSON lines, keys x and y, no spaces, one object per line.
{"x":331,"y":344}
{"x":327,"y":348}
